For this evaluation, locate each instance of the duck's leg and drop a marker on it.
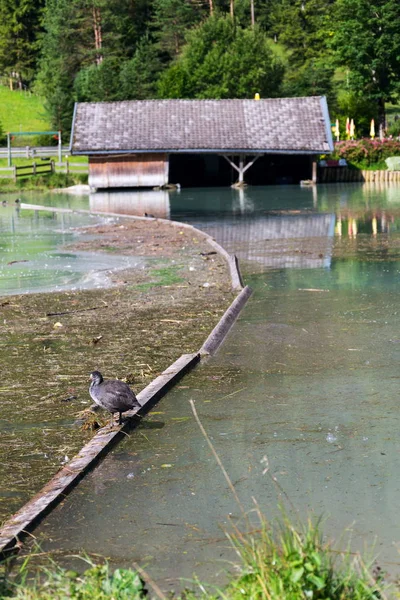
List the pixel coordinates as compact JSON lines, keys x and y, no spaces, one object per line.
{"x":120,"y":418}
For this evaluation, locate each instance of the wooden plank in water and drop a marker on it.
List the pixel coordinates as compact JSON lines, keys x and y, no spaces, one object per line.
{"x":221,"y":330}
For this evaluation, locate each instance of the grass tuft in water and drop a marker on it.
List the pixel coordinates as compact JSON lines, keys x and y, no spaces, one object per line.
{"x":288,"y":563}
{"x":98,"y":582}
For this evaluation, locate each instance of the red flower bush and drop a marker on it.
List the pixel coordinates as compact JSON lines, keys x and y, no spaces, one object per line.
{"x":366,"y":151}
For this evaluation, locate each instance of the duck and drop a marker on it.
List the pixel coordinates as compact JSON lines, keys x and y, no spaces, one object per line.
{"x":112,"y":395}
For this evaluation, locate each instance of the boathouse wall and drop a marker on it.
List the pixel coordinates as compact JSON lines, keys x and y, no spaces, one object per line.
{"x":128,"y":170}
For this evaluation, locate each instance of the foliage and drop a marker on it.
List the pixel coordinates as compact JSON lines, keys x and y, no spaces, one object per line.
{"x":3,"y":136}
{"x":221,"y":60}
{"x":360,"y":108}
{"x":97,"y":83}
{"x":366,"y":40}
{"x":313,"y":78}
{"x":97,"y":50}
{"x":171,"y":20}
{"x":138,"y":76}
{"x":366,"y":151}
{"x":96,"y":583}
{"x":58,"y":65}
{"x":394,"y":128}
{"x":294,"y":563}
{"x":20,"y":28}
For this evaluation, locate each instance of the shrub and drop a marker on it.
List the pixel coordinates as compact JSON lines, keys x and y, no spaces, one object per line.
{"x":366,"y":151}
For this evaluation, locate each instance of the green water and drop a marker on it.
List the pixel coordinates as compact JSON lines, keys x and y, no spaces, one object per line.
{"x":32,"y":258}
{"x":301,"y":402}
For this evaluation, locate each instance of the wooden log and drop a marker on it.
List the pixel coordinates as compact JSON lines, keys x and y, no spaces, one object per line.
{"x":219,"y":332}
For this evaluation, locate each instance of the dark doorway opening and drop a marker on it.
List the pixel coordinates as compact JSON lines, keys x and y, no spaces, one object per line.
{"x":205,"y":170}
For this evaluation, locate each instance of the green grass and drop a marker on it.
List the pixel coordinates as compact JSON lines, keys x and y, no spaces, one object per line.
{"x":162,"y":277}
{"x":19,"y":162}
{"x":43,"y":182}
{"x":281,"y":563}
{"x":22,"y":111}
{"x":55,"y":583}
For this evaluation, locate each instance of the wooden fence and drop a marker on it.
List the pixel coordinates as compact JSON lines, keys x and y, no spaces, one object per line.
{"x":42,"y":168}
{"x":72,"y":167}
{"x":344,"y":174}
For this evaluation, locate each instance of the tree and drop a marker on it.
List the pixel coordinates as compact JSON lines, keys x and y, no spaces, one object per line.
{"x":82,"y":49}
{"x":138,"y":76}
{"x":222,"y":60}
{"x":98,"y":82}
{"x":366,"y":40}
{"x":302,"y":27}
{"x":59,"y":64}
{"x":20,"y":27}
{"x":172,"y":19}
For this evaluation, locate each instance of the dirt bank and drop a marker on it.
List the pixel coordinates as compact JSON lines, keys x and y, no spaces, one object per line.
{"x":51,"y":342}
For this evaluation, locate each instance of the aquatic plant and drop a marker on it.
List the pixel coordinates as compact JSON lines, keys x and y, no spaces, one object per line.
{"x":98,"y":582}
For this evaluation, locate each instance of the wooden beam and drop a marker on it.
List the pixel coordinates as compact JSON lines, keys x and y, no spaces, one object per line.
{"x":314,"y":171}
{"x":231,"y":162}
{"x":242,"y":168}
{"x":250,"y":164}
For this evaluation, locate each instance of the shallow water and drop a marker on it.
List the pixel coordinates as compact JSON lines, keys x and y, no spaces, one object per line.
{"x":305,"y":389}
{"x":30,"y":242}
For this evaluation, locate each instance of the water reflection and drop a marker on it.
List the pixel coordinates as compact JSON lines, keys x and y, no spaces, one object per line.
{"x":141,"y":203}
{"x":244,"y":221}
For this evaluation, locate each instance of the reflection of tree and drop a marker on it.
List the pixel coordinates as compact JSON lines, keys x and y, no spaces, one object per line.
{"x":356,"y":197}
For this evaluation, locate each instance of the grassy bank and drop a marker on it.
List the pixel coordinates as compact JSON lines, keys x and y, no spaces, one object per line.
{"x":22,"y":111}
{"x":43,"y":182}
{"x":281,"y":563}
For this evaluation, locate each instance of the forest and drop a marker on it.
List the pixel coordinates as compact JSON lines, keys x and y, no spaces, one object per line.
{"x":107,"y":50}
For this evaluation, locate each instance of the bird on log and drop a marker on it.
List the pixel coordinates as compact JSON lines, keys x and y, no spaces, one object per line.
{"x":112,"y":395}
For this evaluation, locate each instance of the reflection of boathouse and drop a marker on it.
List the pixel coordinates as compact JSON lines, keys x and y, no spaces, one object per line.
{"x":201,"y":142}
{"x":278,"y":241}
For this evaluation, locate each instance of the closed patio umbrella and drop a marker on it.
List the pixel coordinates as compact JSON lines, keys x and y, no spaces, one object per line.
{"x":372,"y":130}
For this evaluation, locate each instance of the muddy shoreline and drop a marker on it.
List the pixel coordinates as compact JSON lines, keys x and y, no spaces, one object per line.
{"x":134,"y":330}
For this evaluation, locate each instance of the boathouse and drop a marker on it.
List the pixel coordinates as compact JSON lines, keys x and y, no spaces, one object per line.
{"x":151,"y":143}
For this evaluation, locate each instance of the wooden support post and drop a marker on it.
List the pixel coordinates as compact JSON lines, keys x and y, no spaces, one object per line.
{"x":53,"y":168}
{"x":9,"y":150}
{"x":242,"y":168}
{"x":59,"y":147}
{"x":34,"y":169}
{"x":314,"y":171}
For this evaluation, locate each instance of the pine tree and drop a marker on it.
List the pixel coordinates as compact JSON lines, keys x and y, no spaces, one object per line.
{"x":138,"y":77}
{"x":60,"y":61}
{"x":172,"y":19}
{"x":19,"y":31}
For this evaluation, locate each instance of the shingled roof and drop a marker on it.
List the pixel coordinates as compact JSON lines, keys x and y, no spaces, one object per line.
{"x":285,"y":125}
